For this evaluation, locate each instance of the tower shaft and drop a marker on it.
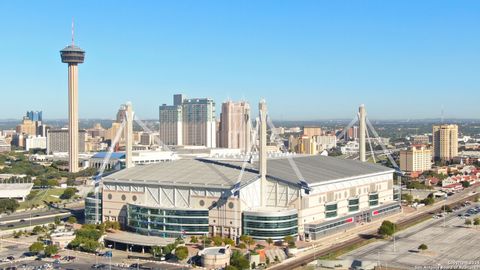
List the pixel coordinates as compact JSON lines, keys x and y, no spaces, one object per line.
{"x":73,"y":117}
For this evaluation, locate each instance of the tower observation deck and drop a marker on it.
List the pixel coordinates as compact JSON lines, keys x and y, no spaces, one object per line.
{"x":72,"y":55}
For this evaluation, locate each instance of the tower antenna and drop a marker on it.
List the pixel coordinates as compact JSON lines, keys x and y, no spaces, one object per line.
{"x":73,"y":32}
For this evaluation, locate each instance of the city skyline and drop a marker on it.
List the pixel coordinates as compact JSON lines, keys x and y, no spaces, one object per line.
{"x":308,"y":61}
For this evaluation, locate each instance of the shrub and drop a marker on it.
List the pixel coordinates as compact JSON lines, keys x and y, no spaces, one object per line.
{"x":387,"y":228}
{"x":423,"y":247}
{"x":50,"y":250}
{"x":36,"y":247}
{"x":181,"y":253}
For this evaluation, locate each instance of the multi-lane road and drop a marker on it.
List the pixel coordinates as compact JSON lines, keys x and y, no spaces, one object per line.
{"x":32,"y":218}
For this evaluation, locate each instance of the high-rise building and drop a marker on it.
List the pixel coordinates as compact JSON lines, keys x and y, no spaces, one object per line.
{"x":235,"y":126}
{"x":171,"y":124}
{"x":27,"y":127}
{"x":420,"y":139}
{"x":199,"y":122}
{"x":35,"y":142}
{"x":445,"y":142}
{"x":58,"y":141}
{"x":4,"y":146}
{"x":418,"y":158}
{"x":34,"y":115}
{"x":73,"y":55}
{"x":353,"y":133}
{"x":188,"y":122}
{"x":312,"y":131}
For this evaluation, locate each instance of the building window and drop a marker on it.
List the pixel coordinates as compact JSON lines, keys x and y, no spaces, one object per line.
{"x":230,"y":205}
{"x":373,"y":199}
{"x":331,"y":210}
{"x":124,"y":197}
{"x":134,"y":198}
{"x":201,"y":202}
{"x":109,"y":196}
{"x":353,"y":205}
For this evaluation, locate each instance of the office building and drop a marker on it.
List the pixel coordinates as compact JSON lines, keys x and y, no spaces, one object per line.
{"x":171,"y":132}
{"x":35,"y":142}
{"x":235,"y":126}
{"x":353,"y":133}
{"x":4,"y":146}
{"x":73,"y":55}
{"x":417,"y":158}
{"x":27,"y":127}
{"x":58,"y":141}
{"x":188,"y":122}
{"x":445,"y":142}
{"x":326,"y":142}
{"x":35,"y":116}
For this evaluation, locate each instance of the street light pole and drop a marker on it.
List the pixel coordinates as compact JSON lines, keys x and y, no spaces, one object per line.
{"x":110,"y":255}
{"x":444,"y":214}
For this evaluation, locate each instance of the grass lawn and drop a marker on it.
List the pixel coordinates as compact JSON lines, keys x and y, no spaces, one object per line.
{"x":49,"y":195}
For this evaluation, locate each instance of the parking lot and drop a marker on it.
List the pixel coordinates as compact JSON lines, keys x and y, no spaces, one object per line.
{"x":452,"y":244}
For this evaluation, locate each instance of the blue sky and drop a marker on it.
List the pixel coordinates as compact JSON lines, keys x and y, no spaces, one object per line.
{"x":308,"y":59}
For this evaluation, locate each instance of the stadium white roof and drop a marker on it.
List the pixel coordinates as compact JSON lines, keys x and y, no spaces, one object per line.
{"x":14,"y":190}
{"x":224,"y":174}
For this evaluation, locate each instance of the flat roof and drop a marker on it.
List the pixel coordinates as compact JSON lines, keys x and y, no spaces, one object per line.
{"x":15,"y":190}
{"x":138,"y":239}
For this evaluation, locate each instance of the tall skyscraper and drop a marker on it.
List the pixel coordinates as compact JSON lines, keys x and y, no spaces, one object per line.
{"x":72,"y":55}
{"x":35,"y":115}
{"x":171,"y":124}
{"x":188,"y":122}
{"x":445,"y":142}
{"x":235,"y":126}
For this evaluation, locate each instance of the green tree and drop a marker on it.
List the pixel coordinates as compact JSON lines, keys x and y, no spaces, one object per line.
{"x":181,"y":253}
{"x":465,"y":184}
{"x":447,"y":208}
{"x":239,"y":261}
{"x":72,"y":220}
{"x":468,"y":222}
{"x":37,"y":230}
{"x":387,"y":228}
{"x":90,"y":245}
{"x":217,"y":240}
{"x":407,"y":197}
{"x":231,"y":267}
{"x":50,"y":250}
{"x":68,"y":193}
{"x":423,"y":247}
{"x":476,"y":221}
{"x":228,"y":241}
{"x":269,"y":241}
{"x":57,"y":220}
{"x":193,"y":239}
{"x":36,"y":247}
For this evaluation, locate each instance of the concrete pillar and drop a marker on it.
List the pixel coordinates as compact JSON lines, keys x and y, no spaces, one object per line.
{"x":128,"y":132}
{"x":362,"y":132}
{"x":262,"y":162}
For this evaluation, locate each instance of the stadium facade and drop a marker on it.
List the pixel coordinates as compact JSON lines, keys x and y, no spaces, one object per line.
{"x":269,"y":198}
